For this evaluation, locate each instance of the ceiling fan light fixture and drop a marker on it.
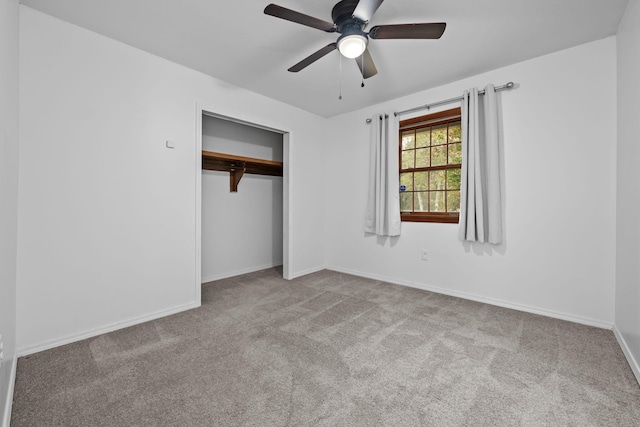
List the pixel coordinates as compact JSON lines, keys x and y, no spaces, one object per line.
{"x":353,"y":45}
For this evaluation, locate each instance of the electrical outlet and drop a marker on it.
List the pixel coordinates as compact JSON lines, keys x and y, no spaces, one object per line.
{"x":424,"y":255}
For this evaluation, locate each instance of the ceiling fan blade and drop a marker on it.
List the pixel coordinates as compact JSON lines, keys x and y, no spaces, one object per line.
{"x":299,"y":18}
{"x":313,"y":58}
{"x":408,"y":31}
{"x":366,"y":65}
{"x":366,"y":8}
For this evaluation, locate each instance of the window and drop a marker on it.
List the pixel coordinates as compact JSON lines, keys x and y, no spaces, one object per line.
{"x":430,"y":166}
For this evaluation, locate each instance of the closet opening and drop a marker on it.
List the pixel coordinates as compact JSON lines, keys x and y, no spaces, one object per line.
{"x":243,"y":198}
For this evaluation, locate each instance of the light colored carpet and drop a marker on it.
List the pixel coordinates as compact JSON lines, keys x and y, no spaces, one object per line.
{"x":330,"y":349}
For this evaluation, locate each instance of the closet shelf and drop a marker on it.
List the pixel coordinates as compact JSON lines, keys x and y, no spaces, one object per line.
{"x":237,"y":166}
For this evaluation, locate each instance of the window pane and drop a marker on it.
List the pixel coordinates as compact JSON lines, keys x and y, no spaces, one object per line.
{"x":455,"y":132}
{"x":439,"y":134}
{"x":453,"y":201}
{"x":408,"y":140}
{"x":453,"y":179}
{"x":436,"y":180}
{"x":407,"y":159}
{"x":437,"y":201}
{"x":439,"y":155}
{"x":423,"y":137}
{"x":421,"y":181}
{"x":406,"y":202}
{"x":406,"y":179}
{"x":422,"y":157}
{"x":422,"y":202}
{"x":455,"y":153}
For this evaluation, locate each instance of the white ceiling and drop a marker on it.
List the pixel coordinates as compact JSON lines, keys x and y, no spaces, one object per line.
{"x":234,"y":41}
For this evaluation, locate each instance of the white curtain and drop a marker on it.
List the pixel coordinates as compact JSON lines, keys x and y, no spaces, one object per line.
{"x":383,"y":201}
{"x":480,"y":200}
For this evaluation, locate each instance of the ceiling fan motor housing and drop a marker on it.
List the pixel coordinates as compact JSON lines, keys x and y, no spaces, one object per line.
{"x":346,"y":23}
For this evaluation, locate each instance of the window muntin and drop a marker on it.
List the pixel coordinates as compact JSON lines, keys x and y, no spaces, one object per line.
{"x":430,"y":167}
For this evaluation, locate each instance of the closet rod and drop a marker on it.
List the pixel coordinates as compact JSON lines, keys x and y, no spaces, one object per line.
{"x":507,"y":86}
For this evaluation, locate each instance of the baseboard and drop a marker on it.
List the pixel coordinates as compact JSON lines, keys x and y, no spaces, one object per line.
{"x":25,"y":351}
{"x":305,"y":272}
{"x":237,"y":273}
{"x":254,"y":269}
{"x":6,"y":419}
{"x":506,"y":304}
{"x":633,"y":363}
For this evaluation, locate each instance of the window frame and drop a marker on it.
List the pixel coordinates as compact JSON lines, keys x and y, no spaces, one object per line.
{"x":428,"y":120}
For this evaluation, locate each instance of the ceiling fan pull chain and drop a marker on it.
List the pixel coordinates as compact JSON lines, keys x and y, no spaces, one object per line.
{"x":340,"y":78}
{"x":362,"y":67}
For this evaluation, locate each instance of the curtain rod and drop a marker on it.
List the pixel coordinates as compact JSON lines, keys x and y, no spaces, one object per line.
{"x":509,"y":85}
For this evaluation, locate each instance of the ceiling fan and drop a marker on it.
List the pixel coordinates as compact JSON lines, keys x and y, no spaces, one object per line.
{"x":350,"y":18}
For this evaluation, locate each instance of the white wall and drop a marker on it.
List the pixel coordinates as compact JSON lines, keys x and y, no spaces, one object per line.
{"x":9,"y":18}
{"x":107,"y":225}
{"x":241,"y":231}
{"x":627,"y":303}
{"x":559,"y":166}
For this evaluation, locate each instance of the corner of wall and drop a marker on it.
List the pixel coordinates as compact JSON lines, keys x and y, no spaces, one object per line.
{"x":627,"y":294}
{"x":9,"y":147}
{"x":5,"y":416}
{"x":633,"y":363}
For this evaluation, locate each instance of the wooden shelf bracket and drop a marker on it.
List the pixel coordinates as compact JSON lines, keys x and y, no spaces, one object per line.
{"x":235,"y":175}
{"x":237,"y":166}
